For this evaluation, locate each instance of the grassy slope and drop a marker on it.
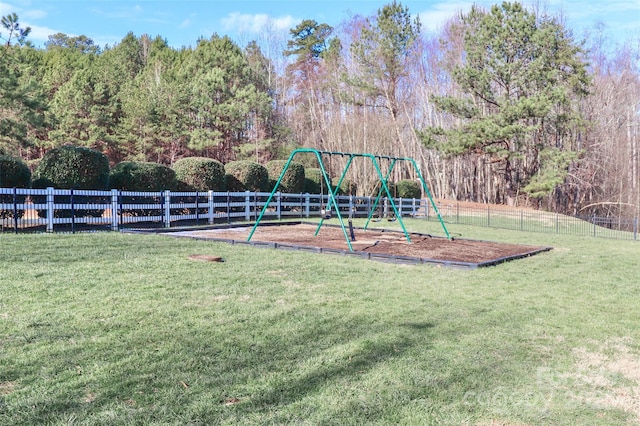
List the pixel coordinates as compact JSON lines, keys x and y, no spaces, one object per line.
{"x":123,"y":329}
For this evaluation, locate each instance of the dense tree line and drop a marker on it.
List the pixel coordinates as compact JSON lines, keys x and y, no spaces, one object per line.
{"x":503,"y":105}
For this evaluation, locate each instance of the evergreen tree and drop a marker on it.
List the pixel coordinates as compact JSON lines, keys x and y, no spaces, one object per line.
{"x":89,"y":106}
{"x":219,"y":82}
{"x":22,"y":105}
{"x":519,"y":77}
{"x":383,"y":51}
{"x":154,"y":125}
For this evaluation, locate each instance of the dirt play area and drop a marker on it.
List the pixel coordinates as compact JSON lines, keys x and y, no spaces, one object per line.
{"x":376,"y":244}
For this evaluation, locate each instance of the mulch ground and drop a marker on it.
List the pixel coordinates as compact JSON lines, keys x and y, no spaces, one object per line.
{"x":376,"y":241}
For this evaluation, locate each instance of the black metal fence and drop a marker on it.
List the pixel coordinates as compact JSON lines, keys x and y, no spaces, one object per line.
{"x":625,"y":228}
{"x":56,"y":210}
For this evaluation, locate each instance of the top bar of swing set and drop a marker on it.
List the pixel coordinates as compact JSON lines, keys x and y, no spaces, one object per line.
{"x":332,"y":193}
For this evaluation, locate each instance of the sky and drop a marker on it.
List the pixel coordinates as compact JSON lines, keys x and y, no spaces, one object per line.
{"x":183,"y":22}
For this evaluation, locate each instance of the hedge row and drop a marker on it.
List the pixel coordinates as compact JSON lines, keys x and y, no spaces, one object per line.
{"x":71,"y":167}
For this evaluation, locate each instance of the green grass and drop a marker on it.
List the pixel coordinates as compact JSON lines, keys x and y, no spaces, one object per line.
{"x":111,"y":328}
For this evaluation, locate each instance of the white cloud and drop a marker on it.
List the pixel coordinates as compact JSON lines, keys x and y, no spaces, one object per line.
{"x":185,"y":24}
{"x":40,"y":34}
{"x":439,"y":14}
{"x":256,"y":23}
{"x":22,"y":11}
{"x":34,"y":14}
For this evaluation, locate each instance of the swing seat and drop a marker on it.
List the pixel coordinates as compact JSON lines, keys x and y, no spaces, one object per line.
{"x":326,"y":214}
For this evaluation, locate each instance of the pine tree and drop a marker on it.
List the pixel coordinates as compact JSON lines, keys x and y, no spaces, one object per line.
{"x":520,"y":77}
{"x":22,"y":104}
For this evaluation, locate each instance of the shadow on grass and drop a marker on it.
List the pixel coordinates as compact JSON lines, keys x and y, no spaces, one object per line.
{"x":326,"y":371}
{"x":191,"y":375}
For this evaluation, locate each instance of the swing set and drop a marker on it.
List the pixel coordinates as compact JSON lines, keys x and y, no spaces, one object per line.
{"x":326,"y":211}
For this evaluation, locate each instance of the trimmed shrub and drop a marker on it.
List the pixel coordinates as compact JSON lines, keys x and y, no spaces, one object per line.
{"x":72,"y":167}
{"x":392,"y":189}
{"x":200,"y":174}
{"x":246,"y":175}
{"x":143,"y":177}
{"x":14,"y":173}
{"x":292,"y":181}
{"x":312,"y":177}
{"x":314,"y":183}
{"x":408,"y":189}
{"x":347,"y":187}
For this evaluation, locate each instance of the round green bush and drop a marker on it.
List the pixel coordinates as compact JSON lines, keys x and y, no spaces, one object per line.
{"x":293,"y":180}
{"x":200,"y":174}
{"x":408,"y":189}
{"x":312,"y":177}
{"x":390,"y":185}
{"x":14,"y":173}
{"x":72,"y":167}
{"x":347,"y":187}
{"x":142,"y":176}
{"x":246,"y":175}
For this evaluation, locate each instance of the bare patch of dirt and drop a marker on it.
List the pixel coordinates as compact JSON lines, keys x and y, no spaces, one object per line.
{"x":7,"y":387}
{"x":609,"y":377}
{"x":377,"y":241}
{"x":206,"y":258}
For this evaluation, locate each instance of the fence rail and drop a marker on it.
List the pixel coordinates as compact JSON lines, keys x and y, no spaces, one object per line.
{"x":56,"y":210}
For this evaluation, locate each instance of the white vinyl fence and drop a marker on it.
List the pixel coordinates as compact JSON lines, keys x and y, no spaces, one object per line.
{"x":71,"y":210}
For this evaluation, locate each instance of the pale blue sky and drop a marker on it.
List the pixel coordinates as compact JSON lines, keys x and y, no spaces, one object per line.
{"x":183,"y":22}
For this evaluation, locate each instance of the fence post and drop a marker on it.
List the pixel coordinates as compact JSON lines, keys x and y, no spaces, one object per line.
{"x":488,"y":217}
{"x":114,"y":209}
{"x":256,"y":209}
{"x":73,"y":213}
{"x":594,"y":224}
{"x":210,"y":207}
{"x":50,"y":201}
{"x":15,"y":209}
{"x":197,"y":207}
{"x":635,"y":228}
{"x":279,"y":205}
{"x":351,"y":204}
{"x":307,"y":205}
{"x":414,"y":212}
{"x":522,"y":220}
{"x":557,"y":223}
{"x":167,"y":209}
{"x":247,"y":206}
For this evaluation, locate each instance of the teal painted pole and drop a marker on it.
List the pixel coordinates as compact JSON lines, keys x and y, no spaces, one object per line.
{"x":375,"y":203}
{"x":433,"y":204}
{"x":332,"y":199}
{"x":386,"y":189}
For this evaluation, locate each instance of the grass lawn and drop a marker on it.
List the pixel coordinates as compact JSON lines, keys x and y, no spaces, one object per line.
{"x":119,"y":329}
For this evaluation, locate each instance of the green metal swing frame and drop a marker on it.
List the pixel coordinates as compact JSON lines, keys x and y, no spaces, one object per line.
{"x":384,"y":188}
